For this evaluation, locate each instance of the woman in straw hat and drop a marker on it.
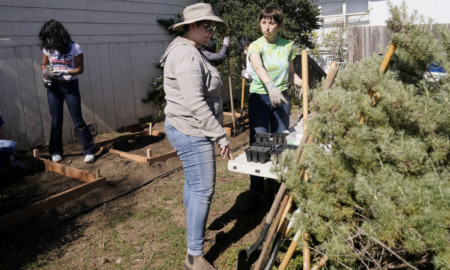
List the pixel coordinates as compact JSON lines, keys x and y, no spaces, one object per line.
{"x":193,"y":120}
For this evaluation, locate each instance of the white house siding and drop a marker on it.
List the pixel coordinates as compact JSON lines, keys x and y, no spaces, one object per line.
{"x":121,"y":41}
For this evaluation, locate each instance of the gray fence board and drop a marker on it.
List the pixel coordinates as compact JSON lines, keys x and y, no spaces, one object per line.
{"x":121,"y":40}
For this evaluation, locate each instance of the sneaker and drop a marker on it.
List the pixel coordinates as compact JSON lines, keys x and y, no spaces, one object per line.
{"x":89,"y":158}
{"x":197,"y":263}
{"x":56,"y":157}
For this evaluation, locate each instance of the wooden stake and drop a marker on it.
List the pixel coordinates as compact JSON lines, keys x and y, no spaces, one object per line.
{"x":271,"y":233}
{"x":287,"y":257}
{"x":305,"y":88}
{"x":150,"y":128}
{"x":306,"y":252}
{"x":387,"y":57}
{"x":162,"y":157}
{"x":287,"y":209}
{"x":320,"y":263}
{"x":134,"y":157}
{"x":36,"y":153}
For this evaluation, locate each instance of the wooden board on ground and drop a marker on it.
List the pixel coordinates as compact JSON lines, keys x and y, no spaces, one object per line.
{"x":91,"y":182}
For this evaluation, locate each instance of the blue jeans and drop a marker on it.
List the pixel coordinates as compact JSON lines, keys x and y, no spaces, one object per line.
{"x":56,"y":94}
{"x":265,"y":118}
{"x":7,"y":148}
{"x":197,"y":155}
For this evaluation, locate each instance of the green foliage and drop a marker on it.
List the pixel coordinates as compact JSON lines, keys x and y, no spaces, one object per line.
{"x":301,"y":18}
{"x":241,"y":17}
{"x":157,"y":94}
{"x":383,"y":191}
{"x":336,"y":41}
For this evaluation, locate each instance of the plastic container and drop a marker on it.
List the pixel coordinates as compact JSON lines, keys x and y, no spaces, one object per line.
{"x":258,"y":154}
{"x":264,"y":144}
{"x":279,"y":138}
{"x":276,"y":153}
{"x":249,"y":154}
{"x":263,"y":153}
{"x":263,"y":137}
{"x":294,"y":138}
{"x":287,"y":146}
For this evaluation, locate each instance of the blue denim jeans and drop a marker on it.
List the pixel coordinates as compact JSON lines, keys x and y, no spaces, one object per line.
{"x":265,"y":118}
{"x":197,"y":155}
{"x":7,"y":149}
{"x":56,"y":94}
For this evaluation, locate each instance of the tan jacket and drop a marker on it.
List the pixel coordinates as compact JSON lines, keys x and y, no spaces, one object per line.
{"x":193,"y":92}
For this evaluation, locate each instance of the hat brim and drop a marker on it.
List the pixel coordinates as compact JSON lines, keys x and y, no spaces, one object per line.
{"x":180,"y":26}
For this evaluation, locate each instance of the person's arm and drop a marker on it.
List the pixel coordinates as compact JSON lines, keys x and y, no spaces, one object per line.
{"x":293,"y":77}
{"x":275,"y":95}
{"x":44,"y":62}
{"x":216,"y":56}
{"x":259,"y":69}
{"x":79,"y":65}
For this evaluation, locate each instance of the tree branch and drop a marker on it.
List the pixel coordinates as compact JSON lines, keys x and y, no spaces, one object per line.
{"x":387,"y":248}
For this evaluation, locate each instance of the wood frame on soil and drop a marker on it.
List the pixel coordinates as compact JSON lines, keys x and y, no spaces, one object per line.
{"x":90,"y":181}
{"x":138,"y":158}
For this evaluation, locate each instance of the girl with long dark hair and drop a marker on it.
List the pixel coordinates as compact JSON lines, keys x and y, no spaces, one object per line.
{"x":62,"y":61}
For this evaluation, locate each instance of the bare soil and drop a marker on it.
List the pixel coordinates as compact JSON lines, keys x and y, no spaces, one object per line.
{"x":136,"y":221}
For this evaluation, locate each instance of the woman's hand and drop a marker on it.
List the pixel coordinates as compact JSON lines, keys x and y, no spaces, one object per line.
{"x":275,"y":95}
{"x":225,"y":152}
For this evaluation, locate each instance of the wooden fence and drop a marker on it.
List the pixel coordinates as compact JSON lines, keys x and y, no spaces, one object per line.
{"x":363,"y":41}
{"x":121,"y":42}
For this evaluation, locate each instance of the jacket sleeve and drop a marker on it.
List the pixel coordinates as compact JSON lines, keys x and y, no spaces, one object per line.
{"x":220,"y":56}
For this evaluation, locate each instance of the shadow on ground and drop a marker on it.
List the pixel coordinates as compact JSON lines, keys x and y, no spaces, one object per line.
{"x":244,"y":223}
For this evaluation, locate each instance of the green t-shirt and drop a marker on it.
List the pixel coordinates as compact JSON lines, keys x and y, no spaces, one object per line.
{"x":275,"y":59}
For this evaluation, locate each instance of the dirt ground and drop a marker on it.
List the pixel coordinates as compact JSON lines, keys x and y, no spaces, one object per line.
{"x":136,"y":221}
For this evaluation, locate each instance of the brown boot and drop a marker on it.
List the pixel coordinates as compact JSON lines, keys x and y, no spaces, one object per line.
{"x":197,"y":263}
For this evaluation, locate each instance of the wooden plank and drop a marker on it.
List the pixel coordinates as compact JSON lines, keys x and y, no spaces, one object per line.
{"x":133,"y":157}
{"x":49,"y":203}
{"x":149,"y":53}
{"x":126,"y":65}
{"x":68,"y":171}
{"x":84,"y":81}
{"x":117,"y":85}
{"x":155,"y":7}
{"x":41,"y":98}
{"x":25,"y":14}
{"x":12,"y":41}
{"x":107,"y":87}
{"x":29,"y":96}
{"x":13,"y":107}
{"x":3,"y":102}
{"x":138,"y":76}
{"x":129,"y":136}
{"x":163,"y":157}
{"x":92,"y":63}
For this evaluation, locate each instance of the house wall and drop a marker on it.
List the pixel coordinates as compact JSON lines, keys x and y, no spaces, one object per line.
{"x":435,"y":9}
{"x":121,"y":42}
{"x":366,"y":22}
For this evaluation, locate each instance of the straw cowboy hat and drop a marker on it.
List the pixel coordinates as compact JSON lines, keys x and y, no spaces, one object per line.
{"x":195,"y":13}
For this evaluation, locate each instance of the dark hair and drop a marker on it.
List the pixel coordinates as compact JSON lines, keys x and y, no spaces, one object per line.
{"x":210,"y":46}
{"x":274,"y":13}
{"x":242,"y":42}
{"x":54,"y":37}
{"x":186,"y":26}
